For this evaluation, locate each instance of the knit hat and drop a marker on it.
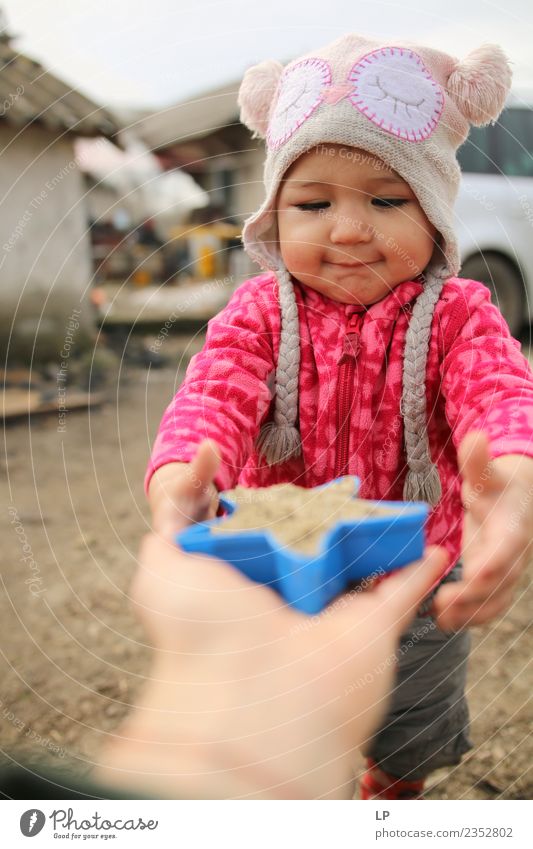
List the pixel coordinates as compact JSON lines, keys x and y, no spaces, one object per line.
{"x":412,"y":107}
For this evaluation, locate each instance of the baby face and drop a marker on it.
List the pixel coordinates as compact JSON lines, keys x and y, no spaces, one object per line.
{"x":350,"y":227}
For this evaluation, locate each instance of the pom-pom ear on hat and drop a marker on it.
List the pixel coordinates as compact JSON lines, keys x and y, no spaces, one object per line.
{"x":256,"y":95}
{"x":480,"y":83}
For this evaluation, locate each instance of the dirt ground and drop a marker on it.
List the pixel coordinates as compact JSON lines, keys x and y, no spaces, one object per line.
{"x":72,"y":655}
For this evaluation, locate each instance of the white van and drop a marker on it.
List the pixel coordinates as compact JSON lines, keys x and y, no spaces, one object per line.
{"x":494,"y":210}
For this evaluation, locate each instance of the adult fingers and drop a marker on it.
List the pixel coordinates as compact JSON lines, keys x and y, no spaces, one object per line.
{"x":395,"y":600}
{"x":193,"y":573}
{"x":168,"y":586}
{"x":399,"y":596}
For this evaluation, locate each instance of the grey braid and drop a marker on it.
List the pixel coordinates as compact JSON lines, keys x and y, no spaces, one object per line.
{"x":423,"y":481}
{"x":279,"y":440}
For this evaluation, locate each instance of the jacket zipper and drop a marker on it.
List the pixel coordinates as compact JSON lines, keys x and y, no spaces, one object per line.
{"x":347,"y":365}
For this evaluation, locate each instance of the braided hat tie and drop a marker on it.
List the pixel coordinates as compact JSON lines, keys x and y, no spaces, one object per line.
{"x":423,"y":481}
{"x":280,"y":439}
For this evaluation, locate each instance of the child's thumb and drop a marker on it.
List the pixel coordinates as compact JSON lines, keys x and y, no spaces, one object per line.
{"x":474,"y":460}
{"x":205,"y":465}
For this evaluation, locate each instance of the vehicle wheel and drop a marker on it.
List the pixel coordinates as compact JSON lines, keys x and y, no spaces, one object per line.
{"x":504,"y":282}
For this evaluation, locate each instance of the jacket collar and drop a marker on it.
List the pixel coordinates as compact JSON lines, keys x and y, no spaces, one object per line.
{"x":388,"y":308}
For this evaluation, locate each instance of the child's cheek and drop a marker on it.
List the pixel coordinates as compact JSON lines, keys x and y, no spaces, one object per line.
{"x":301,"y":254}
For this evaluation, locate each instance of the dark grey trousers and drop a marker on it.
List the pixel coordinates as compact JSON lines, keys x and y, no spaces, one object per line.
{"x":427,"y":726}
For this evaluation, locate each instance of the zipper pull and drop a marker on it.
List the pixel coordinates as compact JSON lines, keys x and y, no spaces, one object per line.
{"x":350,"y":348}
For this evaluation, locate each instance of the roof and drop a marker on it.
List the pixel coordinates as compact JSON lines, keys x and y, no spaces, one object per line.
{"x":29,"y":93}
{"x":190,"y":119}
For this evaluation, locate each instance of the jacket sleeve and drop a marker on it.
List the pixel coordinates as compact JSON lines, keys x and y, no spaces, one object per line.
{"x":487,"y":383}
{"x":225,"y":395}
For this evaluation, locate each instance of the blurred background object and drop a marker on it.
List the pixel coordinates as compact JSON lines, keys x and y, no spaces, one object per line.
{"x":494,"y":210}
{"x":45,"y":254}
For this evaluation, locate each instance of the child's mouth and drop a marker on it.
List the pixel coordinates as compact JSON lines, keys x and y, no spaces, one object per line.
{"x":350,"y":265}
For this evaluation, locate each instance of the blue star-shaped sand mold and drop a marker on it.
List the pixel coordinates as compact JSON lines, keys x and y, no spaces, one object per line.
{"x":350,"y":551}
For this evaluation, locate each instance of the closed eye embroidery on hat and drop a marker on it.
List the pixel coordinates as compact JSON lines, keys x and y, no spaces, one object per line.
{"x":394,"y":89}
{"x":397,"y":100}
{"x":390,"y":86}
{"x":300,"y":92}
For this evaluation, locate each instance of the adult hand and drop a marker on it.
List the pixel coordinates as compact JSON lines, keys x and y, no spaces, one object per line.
{"x":247,"y":697}
{"x":497,"y":534}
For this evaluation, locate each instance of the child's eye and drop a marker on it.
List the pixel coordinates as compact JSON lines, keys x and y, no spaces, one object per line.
{"x":385,"y":202}
{"x":318,"y":204}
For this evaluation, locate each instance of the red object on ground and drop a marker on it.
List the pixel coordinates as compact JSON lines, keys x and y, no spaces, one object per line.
{"x":378,"y":784}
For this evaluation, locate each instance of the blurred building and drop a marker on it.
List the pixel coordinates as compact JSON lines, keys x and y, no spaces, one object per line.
{"x":133,"y":206}
{"x":45,"y":262}
{"x":204,"y":137}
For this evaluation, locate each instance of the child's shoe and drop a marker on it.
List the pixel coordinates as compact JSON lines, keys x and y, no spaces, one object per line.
{"x":378,"y":784}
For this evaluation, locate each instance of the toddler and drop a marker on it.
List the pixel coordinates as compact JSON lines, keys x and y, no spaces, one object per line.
{"x":359,"y":351}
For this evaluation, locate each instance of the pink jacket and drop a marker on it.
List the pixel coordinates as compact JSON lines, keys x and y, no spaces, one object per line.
{"x":350,"y":389}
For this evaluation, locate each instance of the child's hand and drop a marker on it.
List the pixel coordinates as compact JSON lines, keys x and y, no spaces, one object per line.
{"x":497,"y":534}
{"x":181,"y":494}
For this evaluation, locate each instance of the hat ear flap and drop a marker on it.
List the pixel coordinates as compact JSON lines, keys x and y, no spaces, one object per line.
{"x":257,"y":95}
{"x":480,"y":83}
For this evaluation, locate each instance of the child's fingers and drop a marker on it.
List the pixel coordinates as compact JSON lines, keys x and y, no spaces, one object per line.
{"x":493,"y":567}
{"x":184,"y":493}
{"x":479,"y":587}
{"x":175,"y":513}
{"x":197,"y":491}
{"x":475,"y":462}
{"x":454,"y":608}
{"x":168,"y":518}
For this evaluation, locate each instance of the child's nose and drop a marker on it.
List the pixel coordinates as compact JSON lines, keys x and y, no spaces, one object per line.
{"x":347,"y":229}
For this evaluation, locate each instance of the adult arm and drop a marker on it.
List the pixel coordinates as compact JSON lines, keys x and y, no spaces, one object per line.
{"x":247,"y":697}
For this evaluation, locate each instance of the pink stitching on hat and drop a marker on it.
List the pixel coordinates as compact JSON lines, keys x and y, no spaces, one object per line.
{"x":301,"y":89}
{"x":407,"y":82}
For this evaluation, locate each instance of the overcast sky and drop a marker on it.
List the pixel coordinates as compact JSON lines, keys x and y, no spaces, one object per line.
{"x":150,"y":53}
